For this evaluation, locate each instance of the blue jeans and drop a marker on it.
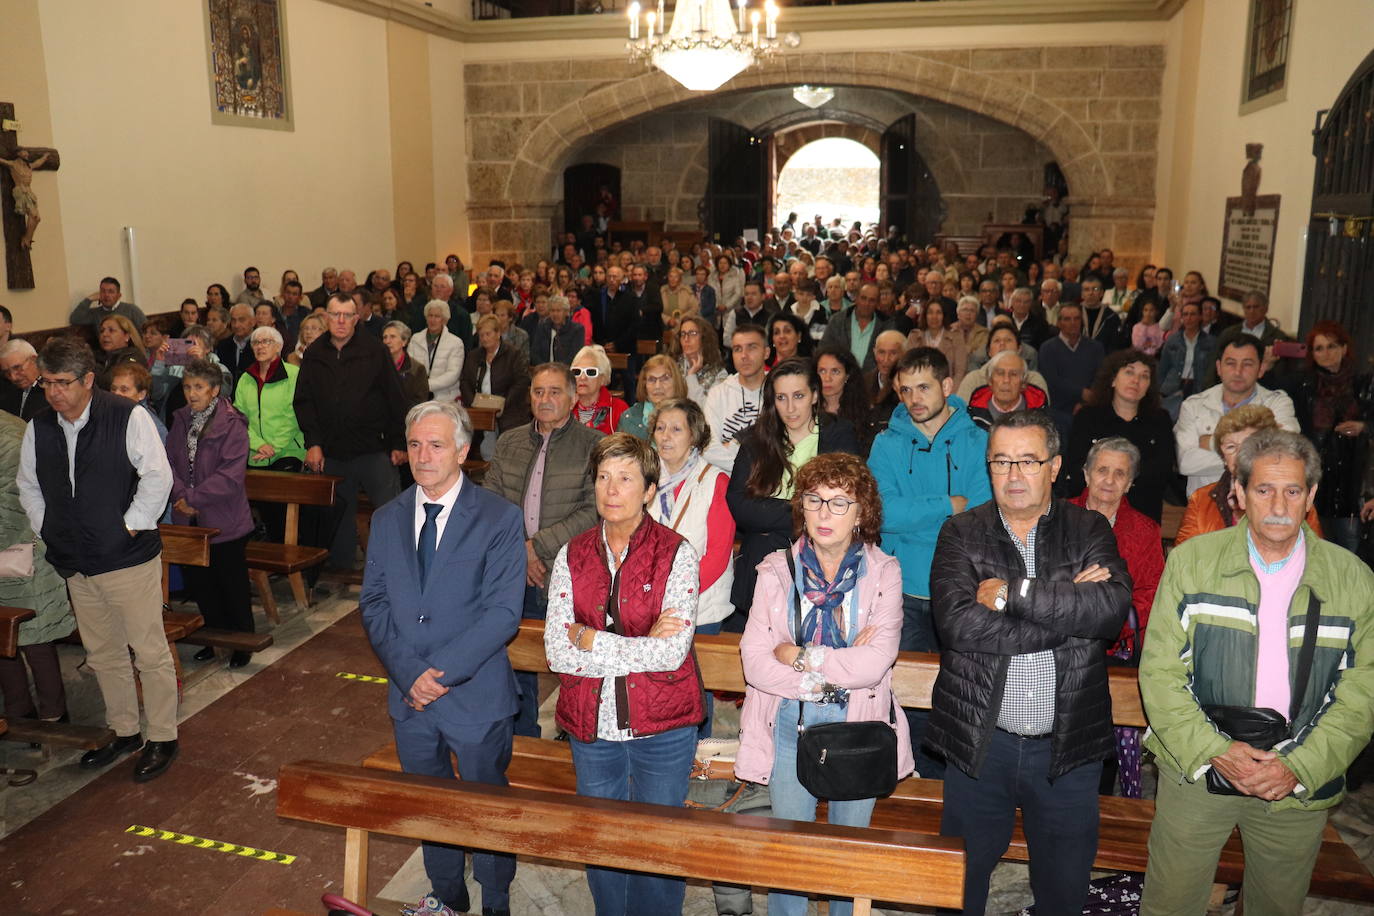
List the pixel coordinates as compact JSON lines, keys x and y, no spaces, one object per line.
{"x":1059,"y":818}
{"x":918,"y":635}
{"x":527,"y":682}
{"x":423,"y":744}
{"x":792,"y":802}
{"x":704,"y":731}
{"x":653,"y":770}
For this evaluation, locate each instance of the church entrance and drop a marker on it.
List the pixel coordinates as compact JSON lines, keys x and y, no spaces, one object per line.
{"x":834,"y":178}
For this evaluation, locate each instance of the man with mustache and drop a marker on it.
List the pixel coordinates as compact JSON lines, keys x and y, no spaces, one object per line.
{"x":1267,"y":617}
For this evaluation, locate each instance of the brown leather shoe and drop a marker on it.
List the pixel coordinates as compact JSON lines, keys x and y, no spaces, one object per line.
{"x":157,"y":756}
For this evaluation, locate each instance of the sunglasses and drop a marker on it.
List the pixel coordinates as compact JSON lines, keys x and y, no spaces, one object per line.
{"x":589,"y":372}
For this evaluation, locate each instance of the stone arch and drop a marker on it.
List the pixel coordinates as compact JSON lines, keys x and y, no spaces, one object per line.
{"x":1019,"y":87}
{"x":789,"y":140}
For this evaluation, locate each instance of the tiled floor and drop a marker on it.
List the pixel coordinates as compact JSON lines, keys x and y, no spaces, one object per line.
{"x":65,"y":849}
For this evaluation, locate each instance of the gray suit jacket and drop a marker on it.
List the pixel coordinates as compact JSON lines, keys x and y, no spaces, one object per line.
{"x":837,"y":334}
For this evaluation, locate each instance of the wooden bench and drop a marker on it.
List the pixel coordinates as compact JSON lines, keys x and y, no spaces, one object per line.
{"x":187,"y":545}
{"x":890,"y":865}
{"x":36,"y":731}
{"x":289,"y":558}
{"x":917,"y":803}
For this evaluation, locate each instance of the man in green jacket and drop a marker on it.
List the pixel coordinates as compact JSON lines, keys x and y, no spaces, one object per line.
{"x":1226,"y":629}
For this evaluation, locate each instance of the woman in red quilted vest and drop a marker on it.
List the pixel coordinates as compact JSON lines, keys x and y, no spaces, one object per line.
{"x":622,"y":610}
{"x":846,"y":594}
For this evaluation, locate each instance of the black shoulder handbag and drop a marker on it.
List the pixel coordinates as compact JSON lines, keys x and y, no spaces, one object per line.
{"x":1258,"y":726}
{"x":843,"y":761}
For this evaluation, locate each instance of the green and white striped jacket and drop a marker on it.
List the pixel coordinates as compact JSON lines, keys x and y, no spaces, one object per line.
{"x":1201,"y":648}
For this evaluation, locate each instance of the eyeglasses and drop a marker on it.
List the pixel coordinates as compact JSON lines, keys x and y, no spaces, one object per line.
{"x":342,"y":316}
{"x":57,"y":384}
{"x":1029,"y":467}
{"x":689,"y":333}
{"x":588,"y":371}
{"x":838,"y":505}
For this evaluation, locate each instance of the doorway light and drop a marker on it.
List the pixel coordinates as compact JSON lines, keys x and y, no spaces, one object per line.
{"x":813,"y":96}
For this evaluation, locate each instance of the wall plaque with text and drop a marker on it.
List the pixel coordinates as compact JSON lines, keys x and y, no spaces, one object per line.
{"x":1247,"y":245}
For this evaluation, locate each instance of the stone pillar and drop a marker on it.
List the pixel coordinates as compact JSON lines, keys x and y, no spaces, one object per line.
{"x":1123,"y":224}
{"x":512,"y":231}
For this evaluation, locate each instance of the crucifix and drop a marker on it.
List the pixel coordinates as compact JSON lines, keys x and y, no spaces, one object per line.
{"x":18,"y":204}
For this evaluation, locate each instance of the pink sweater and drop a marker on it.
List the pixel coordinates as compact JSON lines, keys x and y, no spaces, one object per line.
{"x":866,"y":670}
{"x":1272,"y":688}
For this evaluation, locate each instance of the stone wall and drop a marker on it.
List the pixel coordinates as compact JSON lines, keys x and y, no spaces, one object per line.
{"x":1095,"y":109}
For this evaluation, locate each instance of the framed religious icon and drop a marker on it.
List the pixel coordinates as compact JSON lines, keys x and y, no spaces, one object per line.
{"x":1268,"y":42}
{"x":249,"y":74}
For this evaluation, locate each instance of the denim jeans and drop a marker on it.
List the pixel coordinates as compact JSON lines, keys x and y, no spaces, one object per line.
{"x":527,"y":682}
{"x":653,"y":770}
{"x":918,"y":635}
{"x":792,"y":802}
{"x":1060,"y":820}
{"x":710,"y":629}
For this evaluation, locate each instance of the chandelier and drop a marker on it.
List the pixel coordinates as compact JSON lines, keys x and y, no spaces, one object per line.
{"x":705,"y":46}
{"x":813,"y":96}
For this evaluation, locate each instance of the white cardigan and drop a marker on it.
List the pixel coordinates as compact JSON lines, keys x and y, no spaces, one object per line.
{"x":447,"y":366}
{"x":690,"y":509}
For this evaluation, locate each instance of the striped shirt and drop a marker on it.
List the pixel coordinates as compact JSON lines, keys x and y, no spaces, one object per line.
{"x":1028,"y":694}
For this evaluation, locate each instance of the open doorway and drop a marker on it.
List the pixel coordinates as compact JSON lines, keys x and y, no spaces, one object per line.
{"x":834,"y":177}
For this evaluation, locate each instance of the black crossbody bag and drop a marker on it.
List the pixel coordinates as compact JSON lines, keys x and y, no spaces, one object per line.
{"x":1259,"y":726}
{"x":843,"y":761}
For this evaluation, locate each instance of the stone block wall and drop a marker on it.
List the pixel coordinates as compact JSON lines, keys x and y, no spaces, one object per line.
{"x":1095,"y":109}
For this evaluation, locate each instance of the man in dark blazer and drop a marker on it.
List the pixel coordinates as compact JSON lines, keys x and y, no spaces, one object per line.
{"x":23,"y":396}
{"x":441,"y":597}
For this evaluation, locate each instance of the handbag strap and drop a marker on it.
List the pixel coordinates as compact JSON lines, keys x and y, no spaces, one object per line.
{"x":1309,"y":648}
{"x":796,"y":630}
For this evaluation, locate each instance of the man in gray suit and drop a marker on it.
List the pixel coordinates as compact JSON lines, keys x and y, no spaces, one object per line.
{"x":858,"y":327}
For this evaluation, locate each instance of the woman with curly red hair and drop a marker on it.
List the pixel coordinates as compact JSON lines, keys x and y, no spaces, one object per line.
{"x":837,"y":665}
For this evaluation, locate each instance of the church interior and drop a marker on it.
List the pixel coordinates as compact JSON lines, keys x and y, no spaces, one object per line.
{"x":403,"y":130}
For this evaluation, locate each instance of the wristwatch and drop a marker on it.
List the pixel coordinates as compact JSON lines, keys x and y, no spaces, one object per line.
{"x":1000,"y":602}
{"x":799,"y":663}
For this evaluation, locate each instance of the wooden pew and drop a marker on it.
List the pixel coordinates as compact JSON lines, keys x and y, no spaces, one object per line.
{"x":36,"y":731}
{"x":917,"y":803}
{"x":187,"y":545}
{"x":289,"y":558}
{"x":896,"y":866}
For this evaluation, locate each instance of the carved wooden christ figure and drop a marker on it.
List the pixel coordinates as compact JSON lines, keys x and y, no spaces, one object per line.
{"x":25,"y":203}
{"x":18,"y":202}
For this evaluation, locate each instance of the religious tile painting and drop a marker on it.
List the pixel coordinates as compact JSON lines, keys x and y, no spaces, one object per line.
{"x":246,"y":42}
{"x":1266,"y":54}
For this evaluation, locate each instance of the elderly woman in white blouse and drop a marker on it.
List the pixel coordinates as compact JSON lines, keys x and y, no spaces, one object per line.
{"x":440,"y":351}
{"x":619,"y":636}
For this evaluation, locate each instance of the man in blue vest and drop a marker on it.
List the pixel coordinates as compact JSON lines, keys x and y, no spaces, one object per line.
{"x":93,"y":480}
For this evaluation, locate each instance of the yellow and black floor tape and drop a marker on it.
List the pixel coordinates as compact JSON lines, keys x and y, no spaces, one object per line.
{"x":365,"y":678}
{"x":183,"y":839}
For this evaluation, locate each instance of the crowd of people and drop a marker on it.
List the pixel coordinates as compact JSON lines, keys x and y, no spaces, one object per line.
{"x":844,"y":447}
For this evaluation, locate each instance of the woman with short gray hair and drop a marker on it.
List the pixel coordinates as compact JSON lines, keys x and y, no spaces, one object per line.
{"x":414,"y":380}
{"x":439,"y":352}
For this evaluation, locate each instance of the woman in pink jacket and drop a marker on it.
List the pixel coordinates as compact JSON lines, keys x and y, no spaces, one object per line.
{"x":851,"y":612}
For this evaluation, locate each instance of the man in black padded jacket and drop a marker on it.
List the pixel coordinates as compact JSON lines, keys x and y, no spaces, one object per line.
{"x":1027,"y":592}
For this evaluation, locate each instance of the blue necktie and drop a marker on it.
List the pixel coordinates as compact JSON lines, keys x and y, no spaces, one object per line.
{"x":429,"y":538}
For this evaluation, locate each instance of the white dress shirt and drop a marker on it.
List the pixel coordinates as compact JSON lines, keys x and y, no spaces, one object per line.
{"x":440,"y":520}
{"x":146,"y":453}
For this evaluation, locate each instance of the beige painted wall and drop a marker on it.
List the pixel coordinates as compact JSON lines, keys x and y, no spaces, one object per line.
{"x":23,"y":81}
{"x":129,"y":98}
{"x":1330,"y":38}
{"x":412,"y":143}
{"x":448,"y":108}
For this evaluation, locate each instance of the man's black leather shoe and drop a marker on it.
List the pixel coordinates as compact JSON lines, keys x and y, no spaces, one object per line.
{"x":156,"y":757}
{"x":102,"y":756}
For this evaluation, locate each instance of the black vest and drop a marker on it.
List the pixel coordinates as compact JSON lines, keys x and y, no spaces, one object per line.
{"x":85,"y":532}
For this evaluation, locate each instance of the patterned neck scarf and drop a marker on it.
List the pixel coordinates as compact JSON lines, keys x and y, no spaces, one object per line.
{"x":196,"y":428}
{"x":668,"y":483}
{"x":821,"y":625}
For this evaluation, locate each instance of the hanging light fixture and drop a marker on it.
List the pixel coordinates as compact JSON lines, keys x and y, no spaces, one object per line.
{"x":705,"y":46}
{"x":813,"y":96}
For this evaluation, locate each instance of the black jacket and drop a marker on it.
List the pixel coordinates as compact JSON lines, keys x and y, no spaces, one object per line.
{"x":764,"y":523}
{"x":12,"y":395}
{"x":636,"y":317}
{"x":510,"y":379}
{"x":1151,"y":432}
{"x":1078,"y":622}
{"x":1344,"y":458}
{"x":349,"y":401}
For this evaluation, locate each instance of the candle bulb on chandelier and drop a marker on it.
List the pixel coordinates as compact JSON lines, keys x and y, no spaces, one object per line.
{"x":772,"y":19}
{"x":634,"y":21}
{"x":662,"y":19}
{"x":754,"y":22}
{"x":649,"y":16}
{"x":741,"y":15}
